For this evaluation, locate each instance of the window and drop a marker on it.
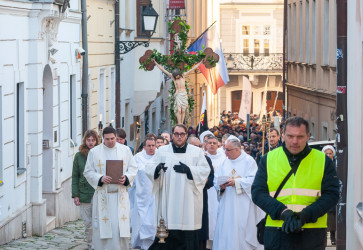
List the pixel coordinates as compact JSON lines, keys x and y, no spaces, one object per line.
{"x":289,"y":33}
{"x":246,"y":46}
{"x":72,"y":108}
{"x":294,"y":35}
{"x":267,"y":30}
{"x":101,"y":97}
{"x":266,"y":43}
{"x":112,"y":92}
{"x":307,"y":32}
{"x":325,"y":133}
{"x":246,"y":30}
{"x":257,"y":47}
{"x":313,"y":33}
{"x":59,"y":111}
{"x":140,"y":6}
{"x":326,"y":31}
{"x":20,"y":132}
{"x":301,"y":33}
{"x":256,"y":30}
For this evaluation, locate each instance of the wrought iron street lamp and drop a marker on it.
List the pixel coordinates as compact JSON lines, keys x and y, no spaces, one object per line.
{"x":149,"y":19}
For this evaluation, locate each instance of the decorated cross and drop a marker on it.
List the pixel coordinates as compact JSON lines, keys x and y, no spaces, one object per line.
{"x":177,"y":66}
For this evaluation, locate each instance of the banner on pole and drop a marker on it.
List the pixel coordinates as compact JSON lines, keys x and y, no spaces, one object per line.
{"x":246,"y":100}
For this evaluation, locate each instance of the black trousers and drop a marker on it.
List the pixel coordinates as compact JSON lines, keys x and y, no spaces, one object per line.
{"x":178,"y":240}
{"x":309,"y":239}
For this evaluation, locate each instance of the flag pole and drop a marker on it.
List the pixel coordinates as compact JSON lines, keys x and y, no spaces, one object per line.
{"x":201,"y":35}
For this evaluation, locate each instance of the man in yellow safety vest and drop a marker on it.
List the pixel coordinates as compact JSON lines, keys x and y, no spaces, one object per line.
{"x":297,"y":217}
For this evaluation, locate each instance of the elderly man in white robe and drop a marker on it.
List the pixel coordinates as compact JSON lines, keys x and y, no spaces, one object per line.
{"x":237,"y":214}
{"x":142,"y":201}
{"x":179,"y":172}
{"x":111,"y":205}
{"x":217,"y":158}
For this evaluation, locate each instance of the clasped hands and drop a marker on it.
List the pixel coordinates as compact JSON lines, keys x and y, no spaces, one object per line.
{"x":180,"y":168}
{"x":107,"y":179}
{"x":293,"y":221}
{"x":229,"y":183}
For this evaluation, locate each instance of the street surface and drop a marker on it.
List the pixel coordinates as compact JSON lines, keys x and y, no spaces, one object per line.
{"x":70,"y":236}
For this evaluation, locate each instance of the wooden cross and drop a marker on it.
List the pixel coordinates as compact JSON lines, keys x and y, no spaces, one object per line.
{"x":105,"y":219}
{"x":100,"y":165}
{"x":123,"y":218}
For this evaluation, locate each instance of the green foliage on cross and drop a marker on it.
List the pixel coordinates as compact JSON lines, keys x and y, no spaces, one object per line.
{"x":179,"y":58}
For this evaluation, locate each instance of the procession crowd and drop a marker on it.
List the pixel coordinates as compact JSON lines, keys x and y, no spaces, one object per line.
{"x":207,"y":191}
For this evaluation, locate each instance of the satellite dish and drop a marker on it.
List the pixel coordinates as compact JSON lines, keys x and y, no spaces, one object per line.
{"x":65,"y":5}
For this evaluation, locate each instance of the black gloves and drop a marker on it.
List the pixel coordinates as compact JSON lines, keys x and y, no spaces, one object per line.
{"x":158,"y":168}
{"x":293,"y":222}
{"x":183,"y":169}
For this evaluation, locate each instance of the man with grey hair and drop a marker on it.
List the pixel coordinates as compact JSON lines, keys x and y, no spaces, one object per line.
{"x":237,"y":215}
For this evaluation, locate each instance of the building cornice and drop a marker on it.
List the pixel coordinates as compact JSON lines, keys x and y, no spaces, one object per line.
{"x":312,"y":91}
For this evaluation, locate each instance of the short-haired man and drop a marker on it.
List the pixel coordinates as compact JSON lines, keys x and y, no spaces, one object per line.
{"x":121,"y":138}
{"x":204,"y":233}
{"x":111,"y":210}
{"x":142,"y":200}
{"x":224,"y":138}
{"x":237,"y":215}
{"x":272,"y":143}
{"x":160,"y":141}
{"x":166,"y":136}
{"x":297,"y":217}
{"x":217,"y":157}
{"x":179,"y":172}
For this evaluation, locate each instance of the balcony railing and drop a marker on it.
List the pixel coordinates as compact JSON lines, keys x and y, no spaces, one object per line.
{"x":252,"y":62}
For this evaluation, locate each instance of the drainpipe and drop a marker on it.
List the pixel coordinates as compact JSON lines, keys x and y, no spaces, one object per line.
{"x":84,"y":94}
{"x":342,"y":125}
{"x":284,"y":63}
{"x":117,"y":64}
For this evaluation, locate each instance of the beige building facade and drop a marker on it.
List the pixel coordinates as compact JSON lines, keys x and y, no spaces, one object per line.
{"x":101,"y":62}
{"x":311,"y":64}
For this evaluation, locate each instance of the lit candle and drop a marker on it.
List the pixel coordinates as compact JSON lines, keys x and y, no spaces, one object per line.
{"x":100,"y":117}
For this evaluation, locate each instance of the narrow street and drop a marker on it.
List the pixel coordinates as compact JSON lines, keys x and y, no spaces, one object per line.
{"x":70,"y":236}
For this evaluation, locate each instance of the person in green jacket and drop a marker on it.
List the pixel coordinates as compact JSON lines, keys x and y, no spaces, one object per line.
{"x":82,"y":191}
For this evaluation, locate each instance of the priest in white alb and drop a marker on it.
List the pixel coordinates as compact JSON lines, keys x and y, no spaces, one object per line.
{"x":143,"y":223}
{"x":217,"y":157}
{"x":179,"y":172}
{"x":237,"y":214}
{"x":111,"y":205}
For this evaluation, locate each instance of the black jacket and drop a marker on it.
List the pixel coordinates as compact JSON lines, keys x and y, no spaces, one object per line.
{"x":203,"y":233}
{"x":329,"y":198}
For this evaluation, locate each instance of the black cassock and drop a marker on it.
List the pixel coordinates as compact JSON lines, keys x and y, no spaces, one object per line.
{"x":189,"y":240}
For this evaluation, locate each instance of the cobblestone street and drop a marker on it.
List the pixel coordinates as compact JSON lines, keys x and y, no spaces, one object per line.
{"x":70,"y":236}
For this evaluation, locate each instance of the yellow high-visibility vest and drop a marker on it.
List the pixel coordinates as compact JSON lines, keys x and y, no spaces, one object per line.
{"x":301,"y":189}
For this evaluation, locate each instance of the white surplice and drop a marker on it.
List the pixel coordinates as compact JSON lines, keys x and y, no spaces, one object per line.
{"x":237,"y":214}
{"x":142,"y":206}
{"x":182,"y":202}
{"x":111,"y":205}
{"x":217,"y":159}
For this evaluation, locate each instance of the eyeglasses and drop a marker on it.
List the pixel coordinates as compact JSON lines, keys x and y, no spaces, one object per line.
{"x":179,"y":134}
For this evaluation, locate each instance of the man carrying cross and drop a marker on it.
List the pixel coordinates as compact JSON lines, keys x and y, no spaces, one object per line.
{"x":111,"y":206}
{"x":181,"y":96}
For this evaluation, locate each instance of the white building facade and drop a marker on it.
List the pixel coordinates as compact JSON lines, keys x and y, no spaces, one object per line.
{"x":252,"y":42}
{"x":40,"y":115}
{"x":354,"y":207}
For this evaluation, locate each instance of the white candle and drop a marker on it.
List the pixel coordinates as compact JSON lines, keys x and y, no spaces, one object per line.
{"x":100,"y":117}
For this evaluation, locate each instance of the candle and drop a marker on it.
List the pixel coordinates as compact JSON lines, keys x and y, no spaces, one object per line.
{"x":100,"y":117}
